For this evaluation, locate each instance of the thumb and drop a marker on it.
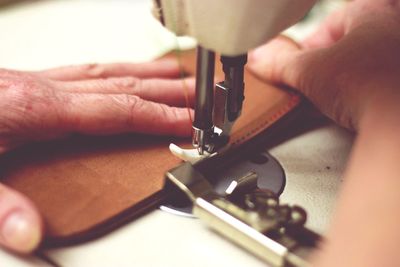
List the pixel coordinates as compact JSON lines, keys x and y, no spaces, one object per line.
{"x":272,"y":61}
{"x":282,"y":61}
{"x":20,"y":223}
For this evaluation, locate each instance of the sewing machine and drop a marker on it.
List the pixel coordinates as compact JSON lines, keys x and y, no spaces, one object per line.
{"x":230,"y":28}
{"x":275,"y":232}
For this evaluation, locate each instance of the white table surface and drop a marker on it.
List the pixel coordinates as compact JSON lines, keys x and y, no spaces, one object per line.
{"x":43,"y":34}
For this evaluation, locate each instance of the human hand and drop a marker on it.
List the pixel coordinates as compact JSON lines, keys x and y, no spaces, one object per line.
{"x":89,"y":99}
{"x":348,"y":68}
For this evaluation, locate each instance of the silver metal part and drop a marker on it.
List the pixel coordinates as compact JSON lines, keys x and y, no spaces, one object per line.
{"x":259,"y":170}
{"x":244,"y":183}
{"x":266,"y":229}
{"x":203,"y":122}
{"x":201,"y":139}
{"x":220,"y":114}
{"x":218,"y":108}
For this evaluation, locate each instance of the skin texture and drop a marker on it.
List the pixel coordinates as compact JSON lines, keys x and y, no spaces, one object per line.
{"x":350,"y":69}
{"x":349,"y":60}
{"x":88,"y":99}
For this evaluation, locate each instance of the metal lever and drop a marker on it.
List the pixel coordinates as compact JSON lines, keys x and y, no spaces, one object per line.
{"x":255,"y":221}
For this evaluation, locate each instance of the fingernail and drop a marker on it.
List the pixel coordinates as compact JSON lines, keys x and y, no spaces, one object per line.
{"x":20,"y":232}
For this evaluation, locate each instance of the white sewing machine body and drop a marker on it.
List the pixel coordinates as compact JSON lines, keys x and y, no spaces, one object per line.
{"x":232,"y":27}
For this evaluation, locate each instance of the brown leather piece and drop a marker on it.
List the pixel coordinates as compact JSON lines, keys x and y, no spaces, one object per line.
{"x":81,"y":183}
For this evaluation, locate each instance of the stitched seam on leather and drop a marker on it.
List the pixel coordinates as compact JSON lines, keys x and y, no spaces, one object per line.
{"x":293,"y":101}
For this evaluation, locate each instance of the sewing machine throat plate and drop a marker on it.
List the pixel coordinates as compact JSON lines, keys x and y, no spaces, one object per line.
{"x":270,"y":175}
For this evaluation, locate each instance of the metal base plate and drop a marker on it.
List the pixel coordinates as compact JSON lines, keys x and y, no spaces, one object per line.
{"x":270,"y":176}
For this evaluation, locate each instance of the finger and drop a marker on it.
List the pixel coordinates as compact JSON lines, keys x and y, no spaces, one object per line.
{"x":163,"y":68}
{"x":282,"y":61}
{"x":109,"y":114}
{"x":167,"y":91}
{"x":329,"y":32}
{"x":20,"y":223}
{"x":273,"y":61}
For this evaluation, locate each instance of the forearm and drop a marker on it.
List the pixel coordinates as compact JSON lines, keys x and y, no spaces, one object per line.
{"x":365,"y":231}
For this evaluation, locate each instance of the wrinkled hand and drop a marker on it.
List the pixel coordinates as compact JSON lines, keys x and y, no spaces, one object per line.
{"x":89,"y":99}
{"x":350,"y":67}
